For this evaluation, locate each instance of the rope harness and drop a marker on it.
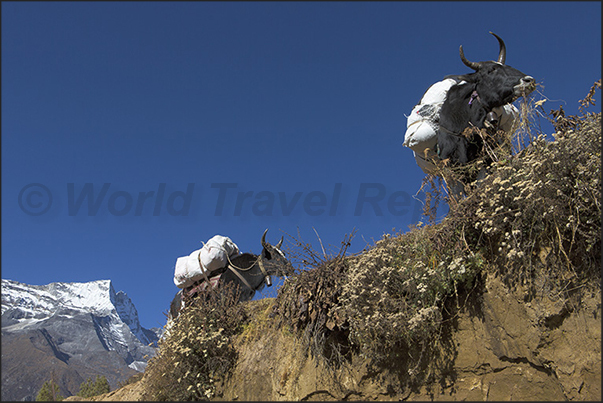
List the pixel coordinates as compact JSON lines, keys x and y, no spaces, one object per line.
{"x":212,"y":281}
{"x":236,"y":269}
{"x":216,"y":274}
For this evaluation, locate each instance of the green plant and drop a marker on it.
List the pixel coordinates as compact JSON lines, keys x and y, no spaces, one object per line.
{"x":49,"y":392}
{"x":98,"y":387}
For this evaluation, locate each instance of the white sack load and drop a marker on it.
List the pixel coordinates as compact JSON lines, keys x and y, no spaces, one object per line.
{"x":507,"y":114}
{"x":423,"y":123}
{"x":212,"y":256}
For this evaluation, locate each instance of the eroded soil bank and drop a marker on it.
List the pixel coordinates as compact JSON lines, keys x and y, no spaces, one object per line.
{"x":501,"y":348}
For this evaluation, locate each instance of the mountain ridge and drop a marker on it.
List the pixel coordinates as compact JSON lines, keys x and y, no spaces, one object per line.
{"x":78,"y":330}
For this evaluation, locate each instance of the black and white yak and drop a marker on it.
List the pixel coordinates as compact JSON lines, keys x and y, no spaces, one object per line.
{"x":247,"y":271}
{"x":481,"y":99}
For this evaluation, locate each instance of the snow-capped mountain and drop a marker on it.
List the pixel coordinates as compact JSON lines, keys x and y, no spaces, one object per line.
{"x":29,"y":304}
{"x":85,"y":325}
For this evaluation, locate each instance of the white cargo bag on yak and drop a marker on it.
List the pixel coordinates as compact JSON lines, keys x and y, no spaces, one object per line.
{"x":423,"y":123}
{"x":201,"y":263}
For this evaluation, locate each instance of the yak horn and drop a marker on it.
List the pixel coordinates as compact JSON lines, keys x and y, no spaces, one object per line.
{"x":472,"y":65}
{"x":502,"y":53}
{"x":264,"y":238}
{"x":278,"y":245}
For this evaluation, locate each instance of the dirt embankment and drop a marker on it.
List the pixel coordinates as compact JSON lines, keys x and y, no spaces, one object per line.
{"x":501,"y":349}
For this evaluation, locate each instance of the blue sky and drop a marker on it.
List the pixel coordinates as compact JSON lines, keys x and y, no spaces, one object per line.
{"x":291,"y":114}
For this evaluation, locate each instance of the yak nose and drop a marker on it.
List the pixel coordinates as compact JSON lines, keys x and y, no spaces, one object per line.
{"x":528,"y":80}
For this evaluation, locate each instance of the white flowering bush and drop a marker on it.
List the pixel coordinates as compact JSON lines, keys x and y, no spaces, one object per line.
{"x":394,"y":293}
{"x":544,"y":209}
{"x":197,"y":353}
{"x":386,"y":303}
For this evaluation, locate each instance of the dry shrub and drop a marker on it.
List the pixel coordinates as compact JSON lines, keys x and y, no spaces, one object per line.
{"x":306,"y":302}
{"x":385,"y":304}
{"x":197,"y":351}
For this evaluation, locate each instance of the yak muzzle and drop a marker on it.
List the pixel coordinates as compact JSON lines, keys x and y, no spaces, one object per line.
{"x":526,"y":85}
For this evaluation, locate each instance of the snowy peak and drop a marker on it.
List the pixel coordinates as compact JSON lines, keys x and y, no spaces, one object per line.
{"x":32,"y":303}
{"x":128,"y":314}
{"x":37,"y":301}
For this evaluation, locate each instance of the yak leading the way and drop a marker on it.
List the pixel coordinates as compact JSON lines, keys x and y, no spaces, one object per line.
{"x":481,"y":99}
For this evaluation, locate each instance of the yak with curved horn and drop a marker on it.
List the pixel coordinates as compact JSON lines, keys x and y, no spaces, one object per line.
{"x":248,"y":271}
{"x":472,"y":102}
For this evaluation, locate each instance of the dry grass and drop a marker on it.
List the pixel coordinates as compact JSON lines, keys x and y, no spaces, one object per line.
{"x":307,"y":302}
